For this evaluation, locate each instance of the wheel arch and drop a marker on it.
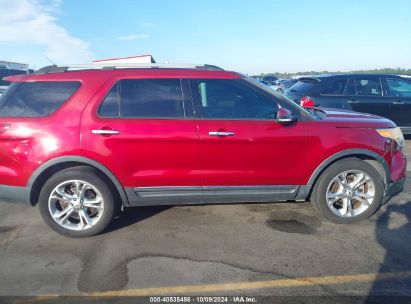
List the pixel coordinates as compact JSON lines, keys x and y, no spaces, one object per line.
{"x":43,"y":172}
{"x":376,"y":160}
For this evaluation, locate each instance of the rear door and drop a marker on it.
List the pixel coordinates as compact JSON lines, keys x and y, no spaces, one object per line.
{"x":399,"y":95}
{"x":331,"y":93}
{"x":144,"y":132}
{"x":245,"y":153}
{"x":369,"y":96}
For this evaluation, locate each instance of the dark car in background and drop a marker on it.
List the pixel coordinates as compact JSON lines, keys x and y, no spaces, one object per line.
{"x":384,"y":95}
{"x":286,"y":84}
{"x":270,"y":79}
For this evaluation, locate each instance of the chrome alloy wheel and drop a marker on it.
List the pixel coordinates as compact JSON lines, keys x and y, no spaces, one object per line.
{"x":76,"y":205}
{"x":350,"y":193}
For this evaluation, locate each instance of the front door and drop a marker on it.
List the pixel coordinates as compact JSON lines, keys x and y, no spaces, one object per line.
{"x":245,"y":153}
{"x":369,"y":97}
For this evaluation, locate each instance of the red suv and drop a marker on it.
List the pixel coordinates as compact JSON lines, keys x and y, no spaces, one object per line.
{"x":82,"y":142}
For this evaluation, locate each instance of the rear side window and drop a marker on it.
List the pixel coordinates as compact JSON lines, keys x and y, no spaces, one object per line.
{"x":35,"y":99}
{"x":144,"y":98}
{"x":336,"y":87}
{"x":368,"y":86}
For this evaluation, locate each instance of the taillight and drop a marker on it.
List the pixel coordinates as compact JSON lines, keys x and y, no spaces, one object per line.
{"x":307,"y":102}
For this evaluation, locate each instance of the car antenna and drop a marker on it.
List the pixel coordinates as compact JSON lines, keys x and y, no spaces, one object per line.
{"x":49,"y":60}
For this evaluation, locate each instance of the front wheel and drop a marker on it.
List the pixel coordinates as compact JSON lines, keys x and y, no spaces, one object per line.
{"x":348,"y":191}
{"x":76,"y":202}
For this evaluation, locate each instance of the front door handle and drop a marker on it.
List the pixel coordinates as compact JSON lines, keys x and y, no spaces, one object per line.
{"x":105,"y":132}
{"x":398,"y":102}
{"x":219,"y":133}
{"x":353,"y":101}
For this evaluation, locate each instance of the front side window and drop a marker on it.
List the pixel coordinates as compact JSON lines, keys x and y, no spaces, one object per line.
{"x":336,"y":87}
{"x":233,"y":99}
{"x":144,"y":98}
{"x":399,"y":88}
{"x":35,"y":99}
{"x":368,"y":86}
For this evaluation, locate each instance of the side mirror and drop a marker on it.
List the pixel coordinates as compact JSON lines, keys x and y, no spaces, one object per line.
{"x":285,"y":117}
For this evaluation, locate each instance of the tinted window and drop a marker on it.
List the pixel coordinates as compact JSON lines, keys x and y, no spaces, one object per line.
{"x":350,"y":89}
{"x":397,"y":87}
{"x":17,"y":72}
{"x":144,"y":98}
{"x":111,"y":104}
{"x":336,"y":87}
{"x":35,"y":99}
{"x":302,"y":86}
{"x":4,"y":73}
{"x":368,"y":86}
{"x":233,"y":99}
{"x":289,"y":83}
{"x":270,"y":78}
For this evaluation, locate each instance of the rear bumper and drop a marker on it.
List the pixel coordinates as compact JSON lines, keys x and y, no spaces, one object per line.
{"x":393,"y":189}
{"x":13,"y":194}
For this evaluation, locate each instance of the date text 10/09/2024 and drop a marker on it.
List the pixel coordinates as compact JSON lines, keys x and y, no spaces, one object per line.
{"x":199,"y":299}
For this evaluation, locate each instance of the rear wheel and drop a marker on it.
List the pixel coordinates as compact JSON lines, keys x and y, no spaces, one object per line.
{"x":76,"y":202}
{"x":348,"y":191}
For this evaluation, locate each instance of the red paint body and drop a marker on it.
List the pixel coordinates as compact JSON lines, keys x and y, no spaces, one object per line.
{"x":172,"y":152}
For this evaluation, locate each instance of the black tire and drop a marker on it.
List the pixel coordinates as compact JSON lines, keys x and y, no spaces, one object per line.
{"x":318,"y":196}
{"x":89,"y":175}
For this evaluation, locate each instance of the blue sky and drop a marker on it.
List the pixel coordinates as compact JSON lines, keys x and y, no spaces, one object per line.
{"x":247,"y":36}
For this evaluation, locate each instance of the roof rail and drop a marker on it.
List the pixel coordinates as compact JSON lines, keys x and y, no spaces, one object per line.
{"x":108,"y":66}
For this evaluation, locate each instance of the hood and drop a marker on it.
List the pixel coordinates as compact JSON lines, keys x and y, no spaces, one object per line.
{"x":350,"y":119}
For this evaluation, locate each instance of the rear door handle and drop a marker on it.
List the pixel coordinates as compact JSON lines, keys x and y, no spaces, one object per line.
{"x":398,"y":102}
{"x":353,"y":101}
{"x":218,"y":133}
{"x":105,"y":132}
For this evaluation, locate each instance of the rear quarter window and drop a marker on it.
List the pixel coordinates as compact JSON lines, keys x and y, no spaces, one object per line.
{"x":302,"y":86}
{"x":35,"y":99}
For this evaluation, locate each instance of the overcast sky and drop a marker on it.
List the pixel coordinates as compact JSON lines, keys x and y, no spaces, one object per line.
{"x":246,"y":36}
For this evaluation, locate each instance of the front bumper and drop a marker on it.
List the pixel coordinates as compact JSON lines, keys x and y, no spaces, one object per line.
{"x":393,"y":189}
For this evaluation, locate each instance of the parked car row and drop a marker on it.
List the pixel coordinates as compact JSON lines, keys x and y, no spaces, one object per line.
{"x":283,"y":85}
{"x":384,"y":95}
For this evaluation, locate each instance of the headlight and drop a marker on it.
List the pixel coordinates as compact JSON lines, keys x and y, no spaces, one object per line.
{"x":393,"y":133}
